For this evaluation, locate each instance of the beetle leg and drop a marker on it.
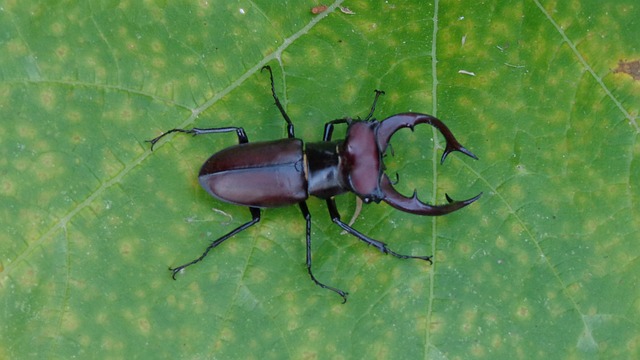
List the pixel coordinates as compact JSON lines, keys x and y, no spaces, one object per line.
{"x":335,"y":217}
{"x":242,"y":136}
{"x":307,"y":217}
{"x":290,"y":130}
{"x":373,"y":107}
{"x":328,"y":127}
{"x":255,"y":214}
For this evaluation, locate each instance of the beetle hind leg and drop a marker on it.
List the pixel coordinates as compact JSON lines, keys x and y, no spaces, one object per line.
{"x":242,"y":136}
{"x":255,"y":214}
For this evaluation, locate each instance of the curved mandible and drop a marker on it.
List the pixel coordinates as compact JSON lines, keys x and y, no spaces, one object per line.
{"x":414,"y":206}
{"x":392,"y":124}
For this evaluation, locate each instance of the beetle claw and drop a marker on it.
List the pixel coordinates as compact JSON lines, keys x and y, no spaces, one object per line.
{"x":394,"y":123}
{"x":413,"y":205}
{"x":463,"y":202}
{"x":175,"y":271}
{"x":455,"y":146}
{"x":449,"y":199}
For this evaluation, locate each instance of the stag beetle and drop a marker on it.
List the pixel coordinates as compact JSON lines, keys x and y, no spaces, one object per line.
{"x":285,"y":172}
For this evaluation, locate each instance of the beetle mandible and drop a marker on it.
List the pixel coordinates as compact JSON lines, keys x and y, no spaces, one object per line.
{"x":286,"y":172}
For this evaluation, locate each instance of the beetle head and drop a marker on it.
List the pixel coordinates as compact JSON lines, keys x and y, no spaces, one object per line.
{"x":362,"y":161}
{"x":363,"y":168}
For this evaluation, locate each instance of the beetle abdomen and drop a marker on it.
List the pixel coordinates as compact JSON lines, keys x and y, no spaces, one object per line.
{"x":262,"y":174}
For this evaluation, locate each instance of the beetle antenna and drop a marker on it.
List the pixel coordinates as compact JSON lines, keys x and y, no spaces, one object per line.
{"x":373,"y":107}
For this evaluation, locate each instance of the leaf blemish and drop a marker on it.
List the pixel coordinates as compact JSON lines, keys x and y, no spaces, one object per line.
{"x":631,"y":68}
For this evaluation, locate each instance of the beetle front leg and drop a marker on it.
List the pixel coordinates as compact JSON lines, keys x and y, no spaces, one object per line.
{"x":328,"y":127}
{"x":242,"y":136}
{"x":335,"y":217}
{"x":255,"y":214}
{"x":307,"y":217}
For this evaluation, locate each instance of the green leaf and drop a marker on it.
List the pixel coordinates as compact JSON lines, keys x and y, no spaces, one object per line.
{"x":544,"y":265}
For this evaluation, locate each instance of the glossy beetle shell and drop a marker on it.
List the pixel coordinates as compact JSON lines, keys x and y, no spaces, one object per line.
{"x":362,"y":165}
{"x":282,"y":172}
{"x":259,"y":174}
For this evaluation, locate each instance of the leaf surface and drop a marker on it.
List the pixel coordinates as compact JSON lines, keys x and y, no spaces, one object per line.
{"x":544,"y":265}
